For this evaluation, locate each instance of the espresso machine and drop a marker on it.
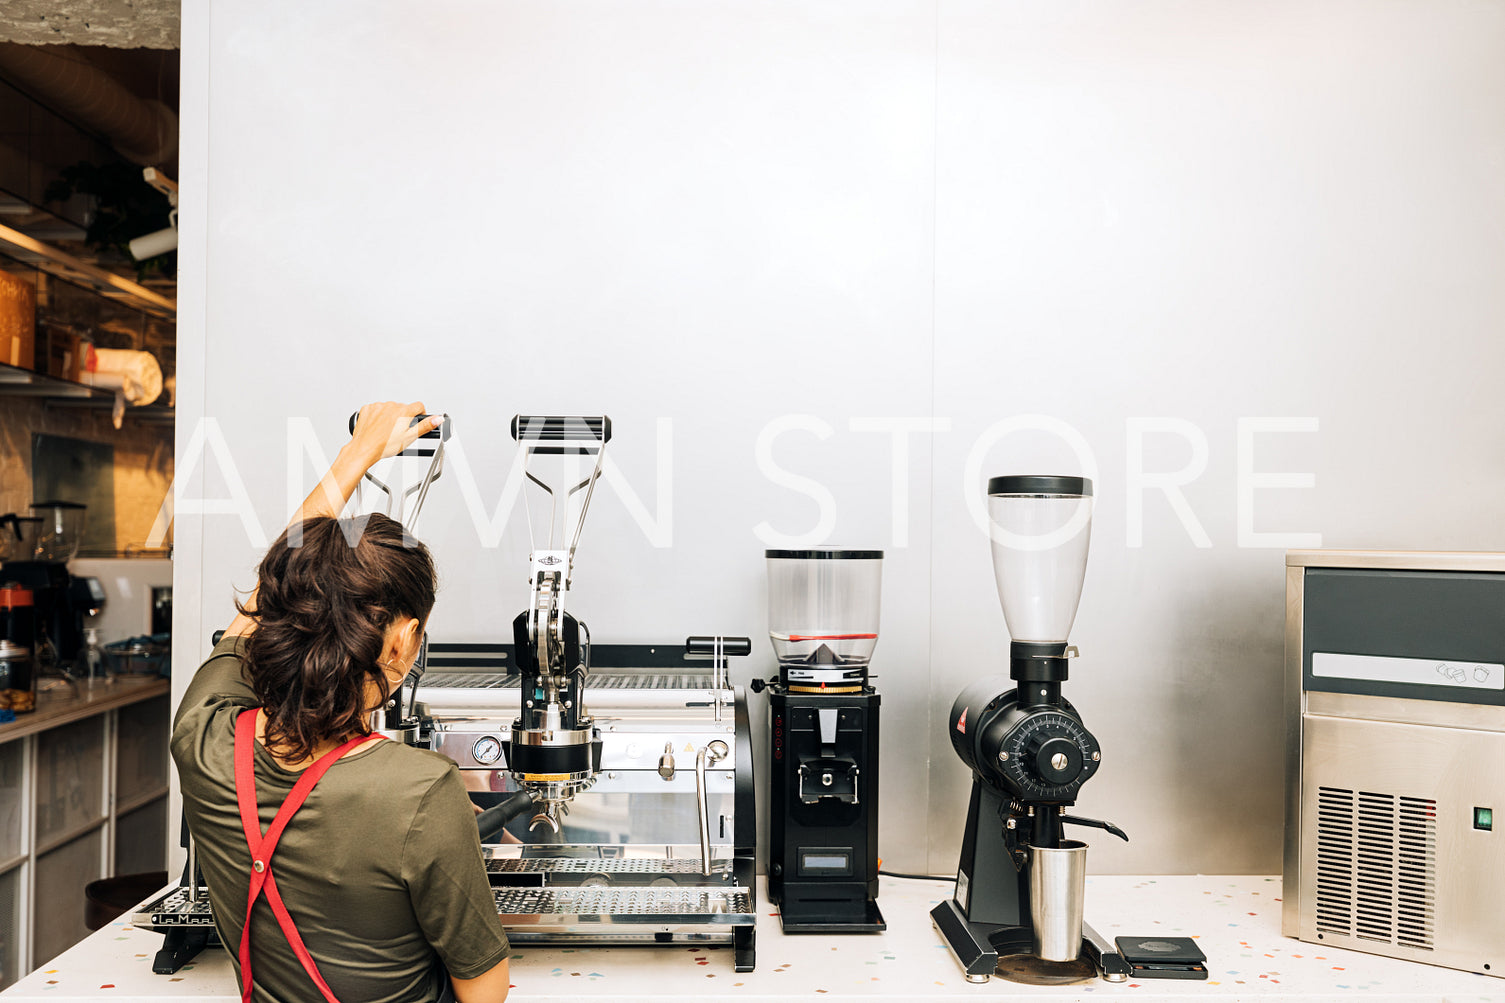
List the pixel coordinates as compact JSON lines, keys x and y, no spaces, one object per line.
{"x":616,"y":779}
{"x":823,"y":607}
{"x":1018,"y":902}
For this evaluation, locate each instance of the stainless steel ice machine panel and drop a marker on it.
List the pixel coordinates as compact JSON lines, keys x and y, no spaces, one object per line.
{"x":1395,"y":755}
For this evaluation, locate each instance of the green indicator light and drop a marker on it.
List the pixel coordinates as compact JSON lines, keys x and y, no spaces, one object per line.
{"x":1484,"y":818}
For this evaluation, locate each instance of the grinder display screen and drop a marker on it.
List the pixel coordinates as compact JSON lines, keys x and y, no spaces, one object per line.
{"x":825,"y":862}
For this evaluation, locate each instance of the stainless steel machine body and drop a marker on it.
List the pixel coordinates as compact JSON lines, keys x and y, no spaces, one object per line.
{"x":661,"y":847}
{"x":1395,"y":739}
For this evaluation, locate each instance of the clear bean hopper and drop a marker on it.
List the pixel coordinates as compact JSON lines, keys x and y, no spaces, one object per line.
{"x":823,"y":606}
{"x":1040,"y":553}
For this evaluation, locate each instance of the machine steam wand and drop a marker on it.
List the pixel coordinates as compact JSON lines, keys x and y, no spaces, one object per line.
{"x":555,"y":749}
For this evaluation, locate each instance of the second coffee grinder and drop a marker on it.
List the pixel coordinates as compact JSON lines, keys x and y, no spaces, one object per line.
{"x":823,"y":607}
{"x":1017,"y":907}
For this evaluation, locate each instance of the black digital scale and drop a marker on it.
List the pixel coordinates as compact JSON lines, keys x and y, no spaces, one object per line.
{"x":1163,"y":957}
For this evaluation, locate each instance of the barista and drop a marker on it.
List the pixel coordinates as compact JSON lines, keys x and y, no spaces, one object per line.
{"x":375,"y":889}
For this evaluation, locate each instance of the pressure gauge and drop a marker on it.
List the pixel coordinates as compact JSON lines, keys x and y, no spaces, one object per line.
{"x":487,"y":750}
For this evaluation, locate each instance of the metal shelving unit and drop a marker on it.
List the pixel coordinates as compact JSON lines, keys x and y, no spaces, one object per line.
{"x":58,"y":262}
{"x":58,"y":392}
{"x":22,"y":242}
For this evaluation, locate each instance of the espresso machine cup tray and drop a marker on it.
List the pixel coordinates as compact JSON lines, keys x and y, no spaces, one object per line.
{"x":670,"y":905}
{"x":616,"y":871}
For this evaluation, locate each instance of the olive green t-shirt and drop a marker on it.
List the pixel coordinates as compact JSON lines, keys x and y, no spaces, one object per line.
{"x":381,"y":869}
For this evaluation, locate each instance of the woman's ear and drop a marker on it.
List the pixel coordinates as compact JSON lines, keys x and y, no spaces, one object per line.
{"x":404,"y":638}
{"x":411,"y":638}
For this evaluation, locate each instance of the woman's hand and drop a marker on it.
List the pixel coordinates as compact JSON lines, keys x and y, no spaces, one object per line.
{"x":386,"y":429}
{"x":381,"y":430}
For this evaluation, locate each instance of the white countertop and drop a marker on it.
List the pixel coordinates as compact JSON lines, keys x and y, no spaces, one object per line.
{"x":1236,"y":920}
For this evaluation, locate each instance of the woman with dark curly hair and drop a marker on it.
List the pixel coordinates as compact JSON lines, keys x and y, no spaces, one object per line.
{"x":359,"y":858}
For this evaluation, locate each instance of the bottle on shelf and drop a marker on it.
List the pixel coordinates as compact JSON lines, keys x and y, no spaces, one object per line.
{"x":92,"y":667}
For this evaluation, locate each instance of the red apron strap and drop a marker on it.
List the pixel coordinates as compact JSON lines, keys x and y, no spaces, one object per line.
{"x":263,"y":846}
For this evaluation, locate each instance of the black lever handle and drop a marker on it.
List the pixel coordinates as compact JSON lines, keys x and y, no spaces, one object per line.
{"x":706,"y":646}
{"x":1095,"y":823}
{"x":417,"y":448}
{"x":537,"y":428}
{"x":494,"y":819}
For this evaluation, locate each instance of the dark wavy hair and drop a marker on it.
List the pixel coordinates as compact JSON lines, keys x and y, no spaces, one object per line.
{"x":323,"y":606}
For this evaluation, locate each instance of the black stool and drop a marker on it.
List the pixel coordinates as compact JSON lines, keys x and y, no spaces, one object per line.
{"x":106,"y":899}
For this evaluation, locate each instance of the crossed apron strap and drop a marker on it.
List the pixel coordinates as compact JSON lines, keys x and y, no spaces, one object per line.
{"x":262,"y":846}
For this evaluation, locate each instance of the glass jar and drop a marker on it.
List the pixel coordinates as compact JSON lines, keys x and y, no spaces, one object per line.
{"x":18,"y":678}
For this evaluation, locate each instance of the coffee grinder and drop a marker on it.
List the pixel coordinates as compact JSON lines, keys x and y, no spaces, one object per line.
{"x":1017,"y":906}
{"x":823,"y":607}
{"x":61,"y":601}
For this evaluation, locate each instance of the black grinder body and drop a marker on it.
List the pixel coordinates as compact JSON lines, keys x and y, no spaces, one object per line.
{"x":1030,"y":754}
{"x":823,"y":810}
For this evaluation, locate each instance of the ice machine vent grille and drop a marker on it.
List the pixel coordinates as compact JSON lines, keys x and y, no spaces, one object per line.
{"x":1376,"y":866}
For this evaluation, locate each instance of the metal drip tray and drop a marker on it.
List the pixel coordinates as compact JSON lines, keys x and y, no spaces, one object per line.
{"x":651,"y":681}
{"x":471,"y":681}
{"x":725,"y":906}
{"x":175,"y":909}
{"x":570,"y":867}
{"x":657,"y":905}
{"x":597,"y":681}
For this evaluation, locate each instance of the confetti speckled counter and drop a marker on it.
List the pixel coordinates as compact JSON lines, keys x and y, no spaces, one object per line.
{"x":1236,"y":920}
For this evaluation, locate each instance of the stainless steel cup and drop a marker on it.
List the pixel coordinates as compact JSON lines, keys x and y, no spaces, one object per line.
{"x":1057,"y":882}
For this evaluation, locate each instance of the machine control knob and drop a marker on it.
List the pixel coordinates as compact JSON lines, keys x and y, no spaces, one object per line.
{"x":666,"y":762}
{"x":1056,"y":758}
{"x":1034,"y":754}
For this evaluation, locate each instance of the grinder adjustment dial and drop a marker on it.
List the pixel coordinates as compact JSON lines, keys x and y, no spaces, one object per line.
{"x":1050,"y":754}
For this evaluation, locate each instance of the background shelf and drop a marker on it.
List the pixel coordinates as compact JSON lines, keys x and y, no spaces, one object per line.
{"x":17,"y":382}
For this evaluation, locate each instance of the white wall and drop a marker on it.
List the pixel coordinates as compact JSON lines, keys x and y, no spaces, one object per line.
{"x":725,"y":214}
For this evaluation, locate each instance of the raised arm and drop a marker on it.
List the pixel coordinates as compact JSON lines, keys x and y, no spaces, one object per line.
{"x":381,"y":430}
